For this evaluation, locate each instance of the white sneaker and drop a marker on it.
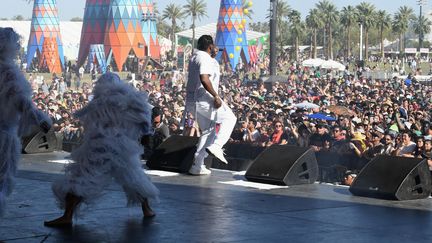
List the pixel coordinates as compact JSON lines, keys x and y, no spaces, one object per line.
{"x":199,"y":170}
{"x":217,"y":152}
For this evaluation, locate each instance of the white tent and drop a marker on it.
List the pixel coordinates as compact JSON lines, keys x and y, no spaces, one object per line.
{"x":314,"y":62}
{"x":70,"y":34}
{"x":210,"y":29}
{"x":331,"y":64}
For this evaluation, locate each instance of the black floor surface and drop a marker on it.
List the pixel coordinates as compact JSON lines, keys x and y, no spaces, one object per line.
{"x":202,"y":209}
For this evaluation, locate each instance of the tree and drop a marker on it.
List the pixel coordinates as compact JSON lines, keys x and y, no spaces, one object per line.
{"x":197,"y":9}
{"x":422,"y":26}
{"x":383,"y":22}
{"x":76,"y":19}
{"x":18,"y":18}
{"x":348,"y":20}
{"x":283,"y":10}
{"x":259,"y":27}
{"x":173,"y":12}
{"x":401,"y":22}
{"x":331,"y":15}
{"x":366,"y":16}
{"x":296,"y":28}
{"x":314,"y":22}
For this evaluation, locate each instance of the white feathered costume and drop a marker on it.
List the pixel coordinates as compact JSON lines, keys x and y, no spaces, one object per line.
{"x":113,"y":121}
{"x":17,"y":112}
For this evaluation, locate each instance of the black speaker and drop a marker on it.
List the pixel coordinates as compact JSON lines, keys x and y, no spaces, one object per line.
{"x":284,"y":165}
{"x":176,"y":154}
{"x":39,"y":142}
{"x":393,"y":178}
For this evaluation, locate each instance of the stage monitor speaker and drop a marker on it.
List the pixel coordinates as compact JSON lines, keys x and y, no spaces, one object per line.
{"x":39,"y":142}
{"x":176,"y":154}
{"x":284,"y":165}
{"x":393,"y":178}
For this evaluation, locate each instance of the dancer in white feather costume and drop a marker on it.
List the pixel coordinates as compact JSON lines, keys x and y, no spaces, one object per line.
{"x":17,"y":112}
{"x":114,"y":121}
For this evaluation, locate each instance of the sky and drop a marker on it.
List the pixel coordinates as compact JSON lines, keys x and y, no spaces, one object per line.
{"x":75,"y":8}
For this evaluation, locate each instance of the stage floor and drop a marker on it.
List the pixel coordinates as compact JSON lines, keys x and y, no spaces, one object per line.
{"x":221,"y":207}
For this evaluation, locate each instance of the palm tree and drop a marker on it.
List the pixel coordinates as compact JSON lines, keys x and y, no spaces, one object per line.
{"x":366,"y":16}
{"x":331,"y":15}
{"x":422,"y":26}
{"x":198,"y":9}
{"x":383,"y":22}
{"x":297,"y":28}
{"x":314,"y":22}
{"x":283,"y":10}
{"x":173,"y":12}
{"x":401,"y":22}
{"x":348,"y":20}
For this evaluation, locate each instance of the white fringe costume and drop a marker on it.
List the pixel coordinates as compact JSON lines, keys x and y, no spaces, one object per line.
{"x":113,"y":121}
{"x":17,"y":112}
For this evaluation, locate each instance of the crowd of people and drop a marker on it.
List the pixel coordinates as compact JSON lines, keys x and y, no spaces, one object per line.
{"x":357,"y":115}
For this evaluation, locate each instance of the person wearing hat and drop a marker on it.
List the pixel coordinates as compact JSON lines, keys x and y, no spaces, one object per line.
{"x":317,"y":139}
{"x":357,"y":144}
{"x":377,"y":147}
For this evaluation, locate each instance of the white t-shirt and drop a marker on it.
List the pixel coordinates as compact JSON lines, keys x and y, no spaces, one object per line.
{"x":201,"y":63}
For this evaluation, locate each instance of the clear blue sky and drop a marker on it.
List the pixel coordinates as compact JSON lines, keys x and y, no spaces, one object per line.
{"x":75,"y":8}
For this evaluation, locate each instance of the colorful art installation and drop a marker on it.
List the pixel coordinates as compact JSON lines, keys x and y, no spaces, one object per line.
{"x":49,"y":59}
{"x":149,"y":29}
{"x":94,"y":24}
{"x":231,"y":32}
{"x":123,"y":32}
{"x":124,"y":27}
{"x":45,"y":27}
{"x":97,"y":57}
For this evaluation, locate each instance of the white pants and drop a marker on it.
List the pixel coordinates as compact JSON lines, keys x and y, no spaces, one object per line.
{"x":207,"y":117}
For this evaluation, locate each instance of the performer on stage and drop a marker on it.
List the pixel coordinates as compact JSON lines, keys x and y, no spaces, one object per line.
{"x":18,"y":114}
{"x":114,"y":121}
{"x":203,"y":101}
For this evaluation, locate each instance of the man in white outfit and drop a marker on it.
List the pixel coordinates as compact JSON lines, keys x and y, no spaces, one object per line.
{"x":203,"y":101}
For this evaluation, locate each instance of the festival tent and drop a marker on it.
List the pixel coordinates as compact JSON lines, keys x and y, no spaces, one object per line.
{"x":68,"y":32}
{"x":257,"y":40}
{"x":315,"y":62}
{"x":331,"y":64}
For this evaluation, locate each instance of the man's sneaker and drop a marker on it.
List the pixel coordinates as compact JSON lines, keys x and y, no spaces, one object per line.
{"x":217,"y":152}
{"x":199,"y":170}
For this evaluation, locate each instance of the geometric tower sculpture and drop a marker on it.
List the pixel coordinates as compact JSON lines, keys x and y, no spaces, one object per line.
{"x":231,"y":32}
{"x":49,"y":60}
{"x":149,"y":29}
{"x":45,"y":27}
{"x":97,"y":56}
{"x":93,"y":29}
{"x":123,"y":34}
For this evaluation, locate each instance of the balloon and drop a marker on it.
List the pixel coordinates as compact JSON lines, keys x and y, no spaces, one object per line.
{"x":240,"y":40}
{"x":250,"y":3}
{"x":241,"y":26}
{"x":239,"y":32}
{"x":246,"y":11}
{"x":238,"y":48}
{"x":231,"y":55}
{"x":244,"y":21}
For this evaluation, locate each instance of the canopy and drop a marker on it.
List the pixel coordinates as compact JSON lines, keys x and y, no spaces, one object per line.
{"x":210,"y":29}
{"x":331,"y":64}
{"x":315,"y":62}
